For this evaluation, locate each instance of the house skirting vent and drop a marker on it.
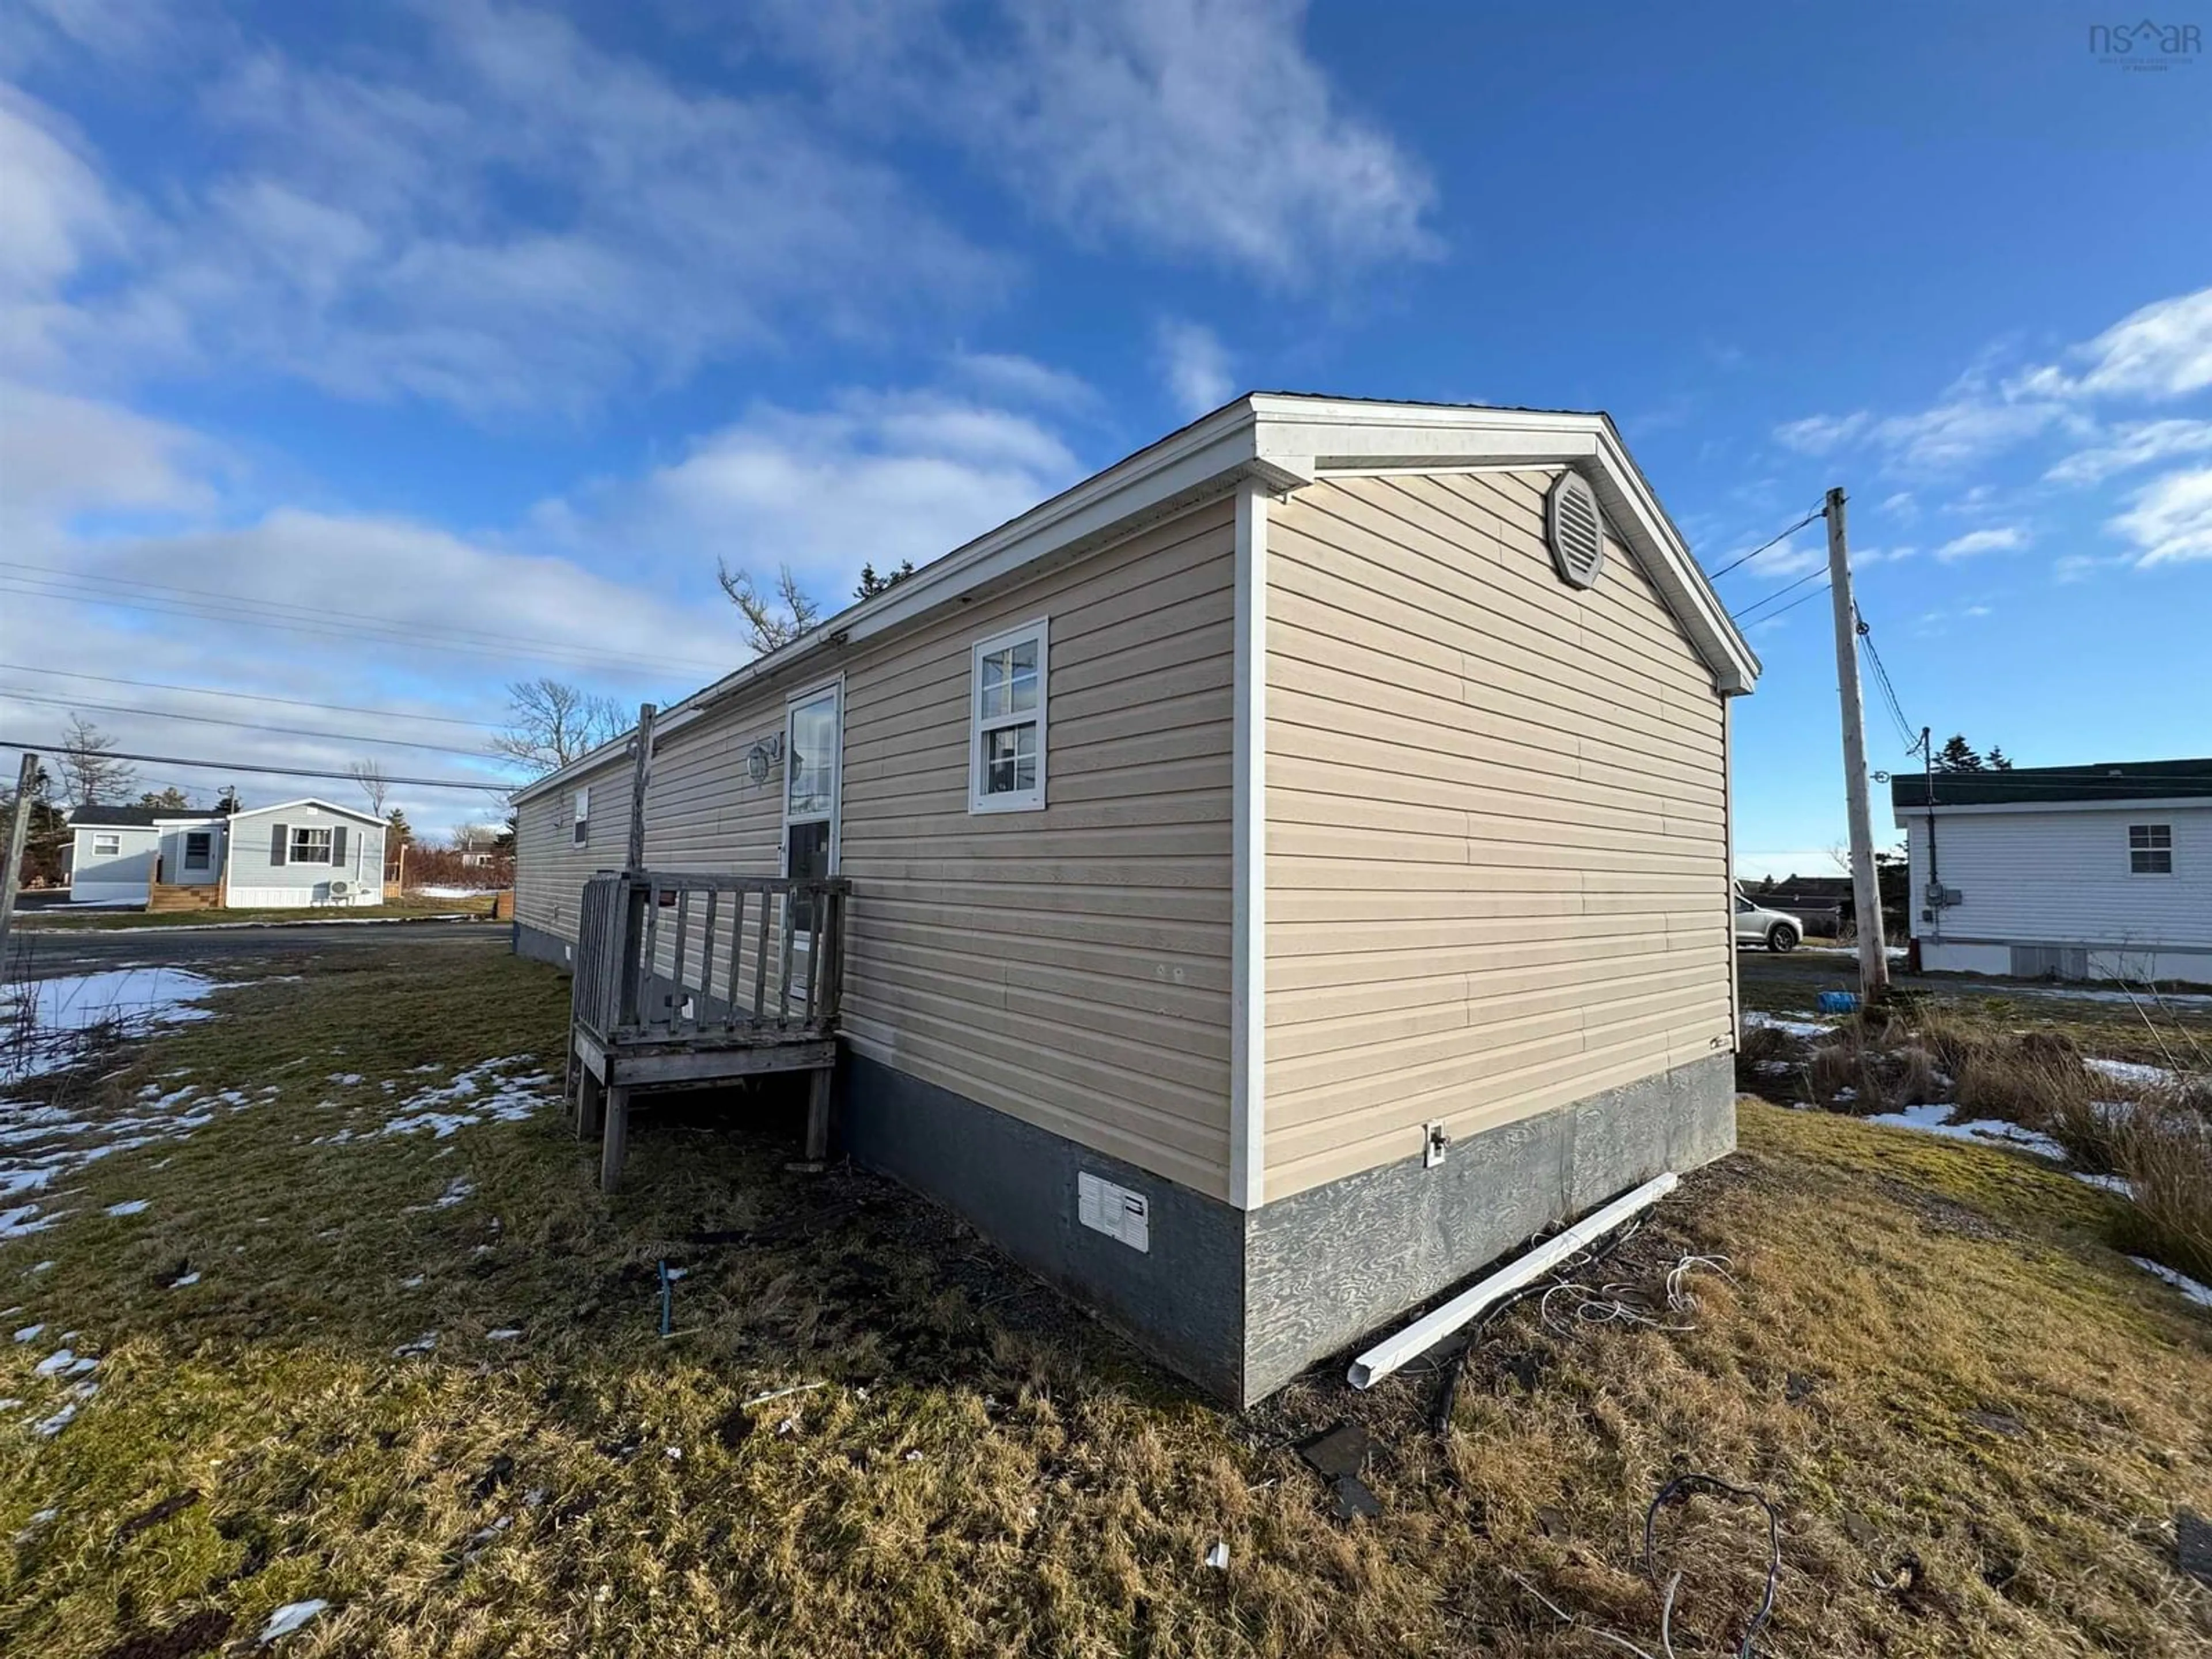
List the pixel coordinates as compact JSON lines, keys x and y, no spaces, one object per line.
{"x":2049,"y":962}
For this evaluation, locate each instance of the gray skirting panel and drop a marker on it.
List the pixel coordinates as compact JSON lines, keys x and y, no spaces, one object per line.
{"x":1241,"y":1302}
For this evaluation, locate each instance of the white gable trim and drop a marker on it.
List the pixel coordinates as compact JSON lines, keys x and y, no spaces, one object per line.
{"x":1283,"y":441}
{"x":357,"y":816}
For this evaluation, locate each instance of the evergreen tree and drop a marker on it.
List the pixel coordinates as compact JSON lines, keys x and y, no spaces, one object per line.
{"x":402,"y":831}
{"x":1958,"y":755}
{"x":871,"y":584}
{"x":171,"y":799}
{"x":1999,"y":761}
{"x":227,"y":803}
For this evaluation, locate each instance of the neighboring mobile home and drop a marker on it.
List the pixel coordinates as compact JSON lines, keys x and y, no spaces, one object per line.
{"x":304,"y":853}
{"x":118,"y":852}
{"x":1287,"y":869}
{"x":298,"y":852}
{"x":2097,"y":871}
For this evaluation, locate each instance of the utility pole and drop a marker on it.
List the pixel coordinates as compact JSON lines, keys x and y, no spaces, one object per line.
{"x":640,"y":777}
{"x":19,"y":825}
{"x":1866,"y":894}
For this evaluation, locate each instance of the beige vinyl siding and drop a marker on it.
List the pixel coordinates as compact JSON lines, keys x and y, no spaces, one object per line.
{"x":1069,"y":966}
{"x":1496,"y":838}
{"x":549,"y":868}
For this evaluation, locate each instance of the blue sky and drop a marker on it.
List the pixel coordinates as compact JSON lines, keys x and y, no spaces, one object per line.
{"x":502,"y":321}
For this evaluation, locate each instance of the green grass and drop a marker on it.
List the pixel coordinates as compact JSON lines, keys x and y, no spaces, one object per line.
{"x":106,"y":920}
{"x":985,"y":1471}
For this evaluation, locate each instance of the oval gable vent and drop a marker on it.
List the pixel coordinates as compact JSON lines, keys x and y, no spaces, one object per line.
{"x":1576,"y":534}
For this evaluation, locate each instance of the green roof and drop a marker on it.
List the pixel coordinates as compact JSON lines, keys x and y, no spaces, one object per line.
{"x":2056,"y":786}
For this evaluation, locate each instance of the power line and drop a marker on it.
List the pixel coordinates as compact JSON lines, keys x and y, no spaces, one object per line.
{"x":474,"y":636}
{"x":11,"y":694}
{"x":1882,"y":678}
{"x":246,"y":696}
{"x":482,"y":785}
{"x":1738,"y":616}
{"x":388,"y":634}
{"x":1794,"y":604}
{"x":1816,"y":513}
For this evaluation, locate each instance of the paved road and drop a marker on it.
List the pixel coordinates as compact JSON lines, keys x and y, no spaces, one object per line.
{"x":46,"y":955}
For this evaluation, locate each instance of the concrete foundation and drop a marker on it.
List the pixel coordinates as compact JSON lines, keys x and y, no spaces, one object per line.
{"x":1241,"y":1302}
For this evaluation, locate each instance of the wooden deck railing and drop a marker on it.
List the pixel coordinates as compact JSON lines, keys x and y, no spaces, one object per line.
{"x":662,"y":957}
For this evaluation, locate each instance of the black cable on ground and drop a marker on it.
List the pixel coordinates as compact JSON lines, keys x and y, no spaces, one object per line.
{"x":1440,"y":1415}
{"x":1681,"y":1486}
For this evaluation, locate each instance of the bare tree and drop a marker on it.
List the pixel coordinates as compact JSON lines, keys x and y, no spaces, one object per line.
{"x":775,"y":618}
{"x":373,"y":784}
{"x":550,"y":723}
{"x":90,"y":774}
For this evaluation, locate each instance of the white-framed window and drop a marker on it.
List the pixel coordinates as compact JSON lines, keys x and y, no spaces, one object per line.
{"x":1007,"y":720}
{"x":581,"y":835}
{"x":199,"y":848}
{"x":105,"y":846}
{"x":309,"y":846}
{"x":2150,"y":849}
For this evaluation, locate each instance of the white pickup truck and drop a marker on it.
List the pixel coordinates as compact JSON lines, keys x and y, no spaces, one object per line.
{"x":1777,"y":932}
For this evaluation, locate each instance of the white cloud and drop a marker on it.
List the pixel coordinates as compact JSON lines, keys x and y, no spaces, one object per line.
{"x":509,"y":219}
{"x":1821,"y":434}
{"x":2003,"y":538}
{"x":2137,"y":443}
{"x":1967,"y":426}
{"x":1024,"y":380}
{"x":1199,"y":128}
{"x":1903,"y":504}
{"x":61,"y":454}
{"x":875,"y":477}
{"x":1863,"y":557}
{"x":2170,"y":521}
{"x":1194,"y":364}
{"x":2160,"y":352}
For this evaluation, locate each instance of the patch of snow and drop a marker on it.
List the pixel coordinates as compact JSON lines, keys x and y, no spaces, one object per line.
{"x":29,"y":1332}
{"x":485,"y":1093}
{"x":24,"y":1220}
{"x":45,"y":1024}
{"x":1935,"y":1119}
{"x":46,"y":1428}
{"x":422,"y":1343}
{"x":2128,"y":1071}
{"x":2110,"y":1183}
{"x":42,"y":1266}
{"x":505,"y":1334}
{"x":188,"y":1279}
{"x":2200,"y":1294}
{"x":129,"y":1207}
{"x":343,"y":1079}
{"x":413,"y":1283}
{"x":54,"y":1364}
{"x":1796,"y":1025}
{"x":288,"y":1618}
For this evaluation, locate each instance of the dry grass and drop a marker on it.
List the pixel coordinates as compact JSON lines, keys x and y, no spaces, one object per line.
{"x":1978,"y":1421}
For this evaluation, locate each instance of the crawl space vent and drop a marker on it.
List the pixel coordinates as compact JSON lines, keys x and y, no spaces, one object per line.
{"x":1576,"y":531}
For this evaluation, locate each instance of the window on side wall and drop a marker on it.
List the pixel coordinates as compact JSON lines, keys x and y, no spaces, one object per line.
{"x":107,"y":846}
{"x":2150,"y":849}
{"x":309,"y":847}
{"x":581,"y":835}
{"x":1006,"y":720}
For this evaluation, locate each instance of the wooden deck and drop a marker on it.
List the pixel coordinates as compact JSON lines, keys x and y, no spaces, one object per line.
{"x":686,"y":981}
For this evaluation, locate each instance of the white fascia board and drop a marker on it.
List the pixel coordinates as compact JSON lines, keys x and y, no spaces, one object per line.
{"x":308,"y":801}
{"x":1909,"y":816}
{"x":1320,"y":436}
{"x":1201,"y":460}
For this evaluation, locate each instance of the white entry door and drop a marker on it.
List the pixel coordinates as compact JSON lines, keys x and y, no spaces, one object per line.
{"x":813,"y":764}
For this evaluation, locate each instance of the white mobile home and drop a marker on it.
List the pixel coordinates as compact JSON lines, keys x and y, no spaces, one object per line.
{"x":304,"y":853}
{"x":1282,"y":871}
{"x":2096,"y":871}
